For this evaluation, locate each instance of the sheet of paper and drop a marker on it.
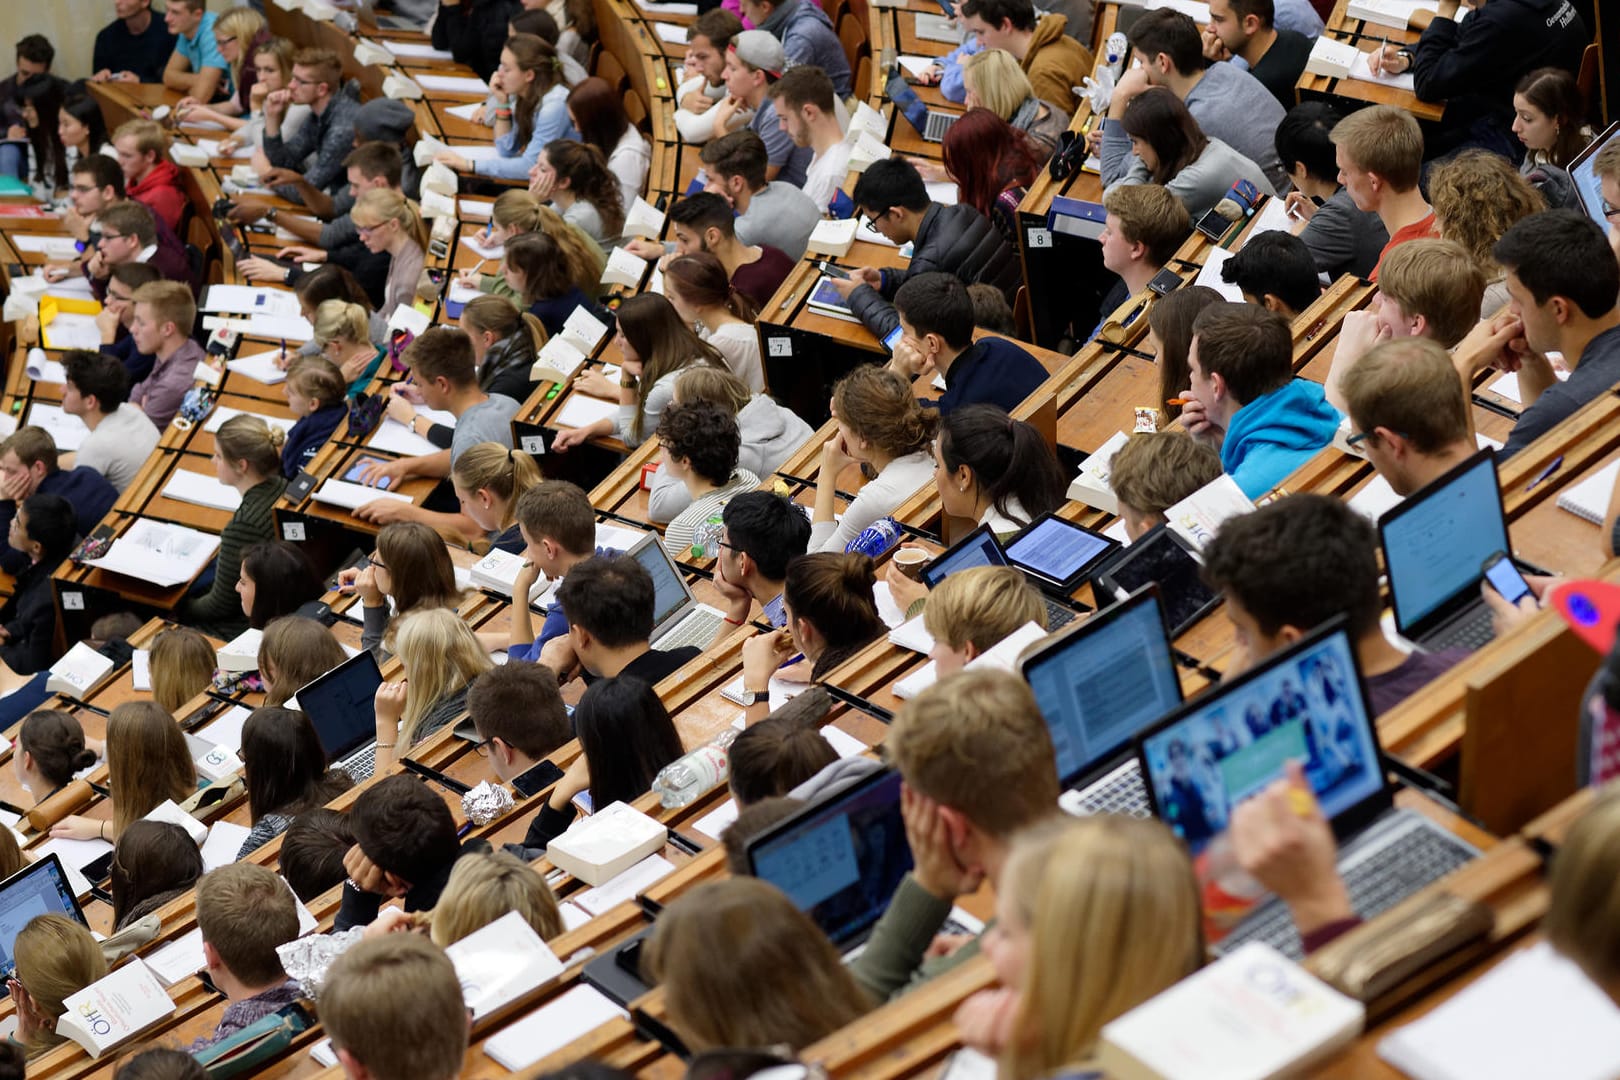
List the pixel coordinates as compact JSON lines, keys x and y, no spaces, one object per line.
{"x":667,"y":7}
{"x":1210,"y":275}
{"x":1360,"y":70}
{"x":912,"y":635}
{"x":581,"y":409}
{"x":260,"y":367}
{"x":223,"y":413}
{"x":396,"y":438}
{"x":41,"y":369}
{"x":52,"y":247}
{"x":68,"y":431}
{"x":226,"y":729}
{"x":918,"y":66}
{"x":474,"y":242}
{"x":75,"y":853}
{"x":225,"y":839}
{"x":415,"y":50}
{"x":887,"y":609}
{"x":453,"y":84}
{"x":160,"y":553}
{"x":179,"y":958}
{"x":200,"y":490}
{"x":211,"y":148}
{"x":673,"y":33}
{"x":625,"y":886}
{"x":552,"y":1026}
{"x":351,"y":496}
{"x":464,"y":112}
{"x":1274,"y":217}
{"x":716,"y":821}
{"x":140,"y":670}
{"x":249,"y":300}
{"x":70,"y":330}
{"x":842,"y":741}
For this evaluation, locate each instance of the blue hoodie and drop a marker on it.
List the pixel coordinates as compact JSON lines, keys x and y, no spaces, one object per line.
{"x":1275,"y":434}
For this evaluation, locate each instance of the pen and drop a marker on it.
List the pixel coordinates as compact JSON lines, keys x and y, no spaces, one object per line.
{"x":1178,"y":401}
{"x":1552,"y":467}
{"x":283,"y":347}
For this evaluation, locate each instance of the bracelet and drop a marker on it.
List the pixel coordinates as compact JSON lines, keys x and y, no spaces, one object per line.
{"x":728,"y":620}
{"x":503,"y":114}
{"x":101,"y":831}
{"x":386,"y":745}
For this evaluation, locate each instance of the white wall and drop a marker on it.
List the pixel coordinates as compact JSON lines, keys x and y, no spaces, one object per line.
{"x":71,"y":25}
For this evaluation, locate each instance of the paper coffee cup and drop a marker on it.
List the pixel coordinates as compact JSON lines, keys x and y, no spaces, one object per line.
{"x":911,"y":561}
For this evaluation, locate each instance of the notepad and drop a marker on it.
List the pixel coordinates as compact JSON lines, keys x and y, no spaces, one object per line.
{"x":1589,"y":499}
{"x":41,"y":368}
{"x":159,"y":553}
{"x":396,"y":438}
{"x":352,"y":496}
{"x":552,"y":1027}
{"x":582,"y":410}
{"x":260,"y":367}
{"x":414,"y":50}
{"x":223,"y":413}
{"x":1362,"y":71}
{"x":200,"y":490}
{"x":52,"y":247}
{"x":1210,"y":275}
{"x":464,"y":112}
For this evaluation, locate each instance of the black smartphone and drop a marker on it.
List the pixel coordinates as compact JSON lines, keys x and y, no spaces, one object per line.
{"x":1505,"y":577}
{"x":537,"y":779}
{"x":100,"y":870}
{"x":830,"y":270}
{"x":1213,"y":225}
{"x":1165,"y":282}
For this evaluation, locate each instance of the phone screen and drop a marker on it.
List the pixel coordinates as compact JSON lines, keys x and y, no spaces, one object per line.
{"x":353,"y":475}
{"x":1506,"y":579}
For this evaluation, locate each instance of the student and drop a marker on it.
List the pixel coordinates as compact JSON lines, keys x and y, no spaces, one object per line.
{"x":1408,"y":413}
{"x":1477,"y":197}
{"x":236,"y":32}
{"x":47,"y":171}
{"x":1276,"y":271}
{"x":703,"y":75}
{"x":558,"y":526}
{"x":772,"y":213}
{"x":247,"y":457}
{"x":405,"y":846}
{"x":159,"y":1063}
{"x":263,"y":64}
{"x":1069,"y":952}
{"x":481,"y":891}
{"x":440,"y":657}
{"x":154,"y":862}
{"x":243,"y":913}
{"x":1549,"y":118}
{"x":34,"y":55}
{"x":387,"y":221}
{"x":98,"y":183}
{"x":806,"y":107}
{"x":700,"y":444}
{"x":1246,"y":29}
{"x":118,"y":315}
{"x":81,"y":128}
{"x":50,"y":749}
{"x":782,"y":982}
{"x":44,"y":530}
{"x":539,"y":22}
{"x":807,"y":37}
{"x":519,"y":714}
{"x":880,"y":424}
{"x":597,"y":113}
{"x":472,"y":31}
{"x":149,"y":176}
{"x":164,"y":313}
{"x":530,"y":110}
{"x":993,"y":164}
{"x":704,"y":223}
{"x":1343,"y":238}
{"x":761,"y":533}
{"x":955,"y":239}
{"x":1380,"y":156}
{"x":1054,"y":62}
{"x":973,"y":610}
{"x":538,"y":273}
{"x":148,"y":761}
{"x":517,"y":212}
{"x":754,"y":60}
{"x":121,"y":436}
{"x":375,"y":165}
{"x":328,"y":135}
{"x":936,"y":327}
{"x":771,"y":433}
{"x":830,"y":616}
{"x":1145,"y":225}
{"x":1153,"y":471}
{"x":978,"y":766}
{"x":608,"y":602}
{"x":312,"y":851}
{"x":994,"y":470}
{"x":295,"y":649}
{"x":55,"y":958}
{"x":284,"y":770}
{"x":505,"y":340}
{"x":489,"y":479}
{"x":343,"y":335}
{"x":1292,"y":565}
{"x":317,"y":395}
{"x":196,"y":67}
{"x":182,"y":666}
{"x":382,"y":987}
{"x":655,"y":346}
{"x":316,"y":288}
{"x":993,"y":80}
{"x":1245,"y":399}
{"x":703,"y":296}
{"x":126,"y":232}
{"x":28,"y":467}
{"x":752,"y":820}
{"x":625,"y":738}
{"x":1168,"y":147}
{"x":1226,"y":102}
{"x":134,"y":47}
{"x":574,"y":178}
{"x":782,"y":751}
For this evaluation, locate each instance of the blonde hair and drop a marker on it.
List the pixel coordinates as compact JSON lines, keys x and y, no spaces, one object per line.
{"x":1154,"y":470}
{"x":317,"y":377}
{"x":1384,"y":140}
{"x":1583,"y":915}
{"x":250,"y":440}
{"x":998,"y":81}
{"x":397,"y":983}
{"x":517,"y":209}
{"x":482,"y":890}
{"x":148,"y":761}
{"x":714,"y":386}
{"x":56,"y":958}
{"x":1114,"y":906}
{"x":170,"y":301}
{"x":339,"y":320}
{"x":982,"y":605}
{"x":383,"y":204}
{"x":244,"y":24}
{"x":150,"y":138}
{"x":182,"y":664}
{"x":293,"y":651}
{"x":440,"y":656}
{"x":504,"y":473}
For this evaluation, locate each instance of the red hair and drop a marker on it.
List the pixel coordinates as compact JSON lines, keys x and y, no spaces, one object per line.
{"x":987,"y":156}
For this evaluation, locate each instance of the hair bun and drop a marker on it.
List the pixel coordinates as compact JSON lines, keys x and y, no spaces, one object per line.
{"x":278,"y":437}
{"x":860,"y":571}
{"x":85,"y":758}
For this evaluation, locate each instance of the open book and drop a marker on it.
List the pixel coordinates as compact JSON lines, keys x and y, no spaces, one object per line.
{"x":501,"y":961}
{"x":498,"y":573}
{"x":116,"y":1009}
{"x":160,"y":553}
{"x":1092,"y":485}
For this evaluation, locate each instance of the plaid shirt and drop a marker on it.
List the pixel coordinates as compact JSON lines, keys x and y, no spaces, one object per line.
{"x":240,"y":1014}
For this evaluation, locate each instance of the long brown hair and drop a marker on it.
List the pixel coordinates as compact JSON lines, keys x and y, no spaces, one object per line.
{"x":585,"y":168}
{"x":663,"y":343}
{"x":833,"y":591}
{"x":148,"y":761}
{"x":546,"y":274}
{"x":419,"y":569}
{"x":56,"y":958}
{"x":1159,"y":118}
{"x":539,"y":56}
{"x":182,"y":664}
{"x":517,"y":209}
{"x":294,"y":650}
{"x":1171,"y":320}
{"x":703,"y":283}
{"x":1555,"y":92}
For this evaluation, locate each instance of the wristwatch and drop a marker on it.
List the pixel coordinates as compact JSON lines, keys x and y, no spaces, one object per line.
{"x":1405,"y":54}
{"x":270,"y":215}
{"x":757,"y":697}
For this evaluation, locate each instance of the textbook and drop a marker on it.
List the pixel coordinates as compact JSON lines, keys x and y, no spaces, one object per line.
{"x":159,"y":553}
{"x":1251,"y":1015}
{"x":1076,"y":217}
{"x":116,"y":1009}
{"x":1091,"y":486}
{"x":501,"y":961}
{"x":1198,"y":517}
{"x":624,"y":269}
{"x":644,"y":220}
{"x":199,"y":490}
{"x":1589,"y":499}
{"x":833,"y":237}
{"x":585,"y":330}
{"x":597,"y":848}
{"x":80,"y":668}
{"x":557,"y":361}
{"x":370,"y":54}
{"x":241,"y":653}
{"x":552,"y":1027}
{"x":1331,"y":59}
{"x":498,"y":573}
{"x":168,"y":813}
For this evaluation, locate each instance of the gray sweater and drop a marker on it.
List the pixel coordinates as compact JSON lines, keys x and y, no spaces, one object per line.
{"x":771,"y":434}
{"x":780,"y":215}
{"x":1200,"y":185}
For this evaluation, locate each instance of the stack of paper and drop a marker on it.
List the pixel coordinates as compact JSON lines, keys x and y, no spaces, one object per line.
{"x":416,"y":50}
{"x":501,"y":961}
{"x":833,"y":237}
{"x":68,"y":432}
{"x":1395,"y":14}
{"x":224,"y":841}
{"x":585,"y":330}
{"x":200,"y":490}
{"x":260,"y":366}
{"x":552,"y":1027}
{"x":396,"y":438}
{"x":352,"y":496}
{"x":159,"y":553}
{"x":52,"y":247}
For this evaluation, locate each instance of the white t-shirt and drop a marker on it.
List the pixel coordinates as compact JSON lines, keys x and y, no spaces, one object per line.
{"x":119,"y":445}
{"x":739,"y":344}
{"x":827,"y":172}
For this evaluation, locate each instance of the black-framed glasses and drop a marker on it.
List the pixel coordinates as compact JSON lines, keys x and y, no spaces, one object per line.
{"x":376,"y":565}
{"x":1362,"y":436}
{"x":870,"y":221}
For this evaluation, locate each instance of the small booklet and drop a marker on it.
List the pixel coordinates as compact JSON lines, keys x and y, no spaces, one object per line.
{"x":241,"y":653}
{"x":1589,"y":499}
{"x":1198,"y":517}
{"x":498,"y":573}
{"x":80,"y":668}
{"x":1092,"y":485}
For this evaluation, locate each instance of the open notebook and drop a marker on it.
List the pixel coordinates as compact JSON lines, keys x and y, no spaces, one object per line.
{"x":1590,"y":498}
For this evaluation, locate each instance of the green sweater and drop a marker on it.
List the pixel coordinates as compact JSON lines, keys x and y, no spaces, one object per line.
{"x":893,"y":961}
{"x":219,"y":610}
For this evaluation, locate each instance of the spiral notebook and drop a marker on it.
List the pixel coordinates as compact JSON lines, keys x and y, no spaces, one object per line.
{"x":1589,"y":499}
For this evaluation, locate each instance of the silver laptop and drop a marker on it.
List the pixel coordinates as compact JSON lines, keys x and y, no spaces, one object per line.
{"x":678,"y":619}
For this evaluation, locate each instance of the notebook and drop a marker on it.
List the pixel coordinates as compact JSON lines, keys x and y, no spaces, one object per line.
{"x":1589,"y":499}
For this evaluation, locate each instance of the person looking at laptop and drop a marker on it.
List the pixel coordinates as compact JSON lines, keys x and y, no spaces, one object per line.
{"x":936,"y":327}
{"x":1153,"y":471}
{"x":1292,"y":565}
{"x":519,"y":715}
{"x":244,"y":912}
{"x":609,"y":603}
{"x":1606,"y":167}
{"x":558,"y":526}
{"x":1408,"y":413}
{"x":760,"y":533}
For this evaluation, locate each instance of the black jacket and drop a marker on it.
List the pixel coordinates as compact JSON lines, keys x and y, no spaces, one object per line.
{"x":29,"y":616}
{"x":360,"y":908}
{"x":474,"y":31}
{"x":955,"y":239}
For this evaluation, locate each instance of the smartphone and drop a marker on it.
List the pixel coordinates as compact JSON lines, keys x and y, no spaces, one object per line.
{"x":1213,"y":225}
{"x":353,"y":475}
{"x":1166,"y":281}
{"x":537,"y":779}
{"x":830,"y":270}
{"x":1505,"y":578}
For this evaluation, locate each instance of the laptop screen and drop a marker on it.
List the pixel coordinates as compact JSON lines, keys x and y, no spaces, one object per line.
{"x":1158,"y":559}
{"x":40,"y":888}
{"x":1305,"y":703}
{"x":1588,"y":188}
{"x":1057,"y":550}
{"x":669,"y":588}
{"x":842,"y":860}
{"x":342,"y":704}
{"x":979,"y":548}
{"x":1102,"y":684}
{"x":1436,"y":542}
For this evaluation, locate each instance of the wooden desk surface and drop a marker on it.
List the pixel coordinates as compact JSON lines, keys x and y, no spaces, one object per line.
{"x":1367,"y":36}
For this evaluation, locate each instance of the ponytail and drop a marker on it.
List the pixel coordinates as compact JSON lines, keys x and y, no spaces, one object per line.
{"x":1009,"y":459}
{"x":504,"y":473}
{"x":248,"y":439}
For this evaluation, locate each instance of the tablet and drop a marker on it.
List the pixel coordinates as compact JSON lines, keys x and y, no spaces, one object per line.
{"x":1163,"y":558}
{"x":1058,"y":552}
{"x":353,"y":475}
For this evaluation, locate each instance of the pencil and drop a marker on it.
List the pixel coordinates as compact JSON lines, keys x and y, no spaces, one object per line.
{"x":1178,"y":401}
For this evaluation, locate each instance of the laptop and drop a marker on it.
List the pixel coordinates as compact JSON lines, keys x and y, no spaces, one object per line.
{"x":1435,"y":544}
{"x":1588,"y":188}
{"x":1098,"y":687}
{"x":931,"y":124}
{"x":40,"y":888}
{"x":678,"y":619}
{"x":981,"y":548}
{"x":1308,"y":703}
{"x":1164,"y":558}
{"x":341,"y":705}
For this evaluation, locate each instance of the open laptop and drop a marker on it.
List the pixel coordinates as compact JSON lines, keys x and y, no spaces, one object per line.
{"x":678,"y":619}
{"x":1098,"y":687}
{"x":1588,"y":188}
{"x":981,"y":548}
{"x":1306,"y":703}
{"x":1164,"y":558}
{"x":341,"y":705}
{"x":1435,"y":545}
{"x":1062,"y":547}
{"x":40,"y":888}
{"x":931,"y":124}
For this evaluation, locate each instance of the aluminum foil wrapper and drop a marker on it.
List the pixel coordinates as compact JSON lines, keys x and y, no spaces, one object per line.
{"x":308,"y":958}
{"x":486,"y":802}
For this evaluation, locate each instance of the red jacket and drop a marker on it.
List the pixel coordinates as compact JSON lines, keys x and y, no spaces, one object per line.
{"x":161,"y":193}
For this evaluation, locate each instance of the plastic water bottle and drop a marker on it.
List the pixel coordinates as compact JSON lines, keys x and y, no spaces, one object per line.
{"x":876,"y":538}
{"x":706,"y":538}
{"x":1114,"y":50}
{"x":689,"y":776}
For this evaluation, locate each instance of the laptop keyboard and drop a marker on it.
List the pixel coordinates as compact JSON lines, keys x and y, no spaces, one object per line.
{"x":1473,"y":631}
{"x":1120,"y":792}
{"x":938,"y":124}
{"x":361,"y":764}
{"x":1377,"y":879}
{"x":696,"y":629}
{"x":1057,"y":615}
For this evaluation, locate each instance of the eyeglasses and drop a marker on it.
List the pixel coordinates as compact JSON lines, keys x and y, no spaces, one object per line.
{"x":376,"y":564}
{"x":1610,"y":211}
{"x":1362,"y":436}
{"x":296,"y":81}
{"x":105,"y":235}
{"x":481,"y":748}
{"x":870,"y":220}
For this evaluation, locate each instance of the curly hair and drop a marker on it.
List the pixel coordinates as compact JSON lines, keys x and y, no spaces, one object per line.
{"x":705,"y":435}
{"x":1477,"y":196}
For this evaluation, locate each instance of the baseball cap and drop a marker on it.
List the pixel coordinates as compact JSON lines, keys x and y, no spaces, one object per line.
{"x":760,"y":49}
